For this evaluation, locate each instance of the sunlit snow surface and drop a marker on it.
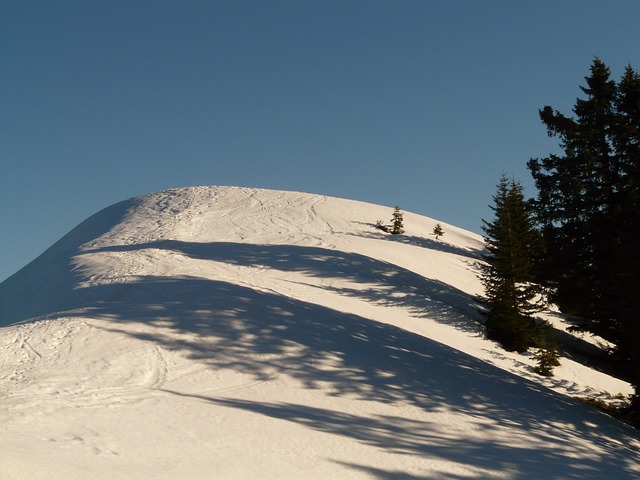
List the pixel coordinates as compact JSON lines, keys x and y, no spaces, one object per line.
{"x":233,"y":333}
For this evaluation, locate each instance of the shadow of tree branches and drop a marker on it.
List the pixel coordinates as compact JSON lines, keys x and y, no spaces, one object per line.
{"x":388,"y":284}
{"x":423,"y":242}
{"x":261,"y":334}
{"x":46,"y":285}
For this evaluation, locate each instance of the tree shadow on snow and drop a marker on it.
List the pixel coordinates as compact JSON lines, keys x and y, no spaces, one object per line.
{"x":422,"y":242}
{"x":47,"y":284}
{"x":384,"y":283}
{"x":227,"y":326}
{"x":223,"y":325}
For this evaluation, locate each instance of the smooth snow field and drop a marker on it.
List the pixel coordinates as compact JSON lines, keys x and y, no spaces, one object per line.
{"x":235,"y":333}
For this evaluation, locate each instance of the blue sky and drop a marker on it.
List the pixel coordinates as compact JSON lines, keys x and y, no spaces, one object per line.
{"x":418,"y":104}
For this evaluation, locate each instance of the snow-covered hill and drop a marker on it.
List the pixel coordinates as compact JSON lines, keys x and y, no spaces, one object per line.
{"x":234,"y":333}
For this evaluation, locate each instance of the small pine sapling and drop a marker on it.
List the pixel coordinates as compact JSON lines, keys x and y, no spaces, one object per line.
{"x":397,"y":225}
{"x":438,"y":231}
{"x":547,"y":356}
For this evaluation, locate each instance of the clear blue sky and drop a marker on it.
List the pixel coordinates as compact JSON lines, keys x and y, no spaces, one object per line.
{"x":417,"y":104}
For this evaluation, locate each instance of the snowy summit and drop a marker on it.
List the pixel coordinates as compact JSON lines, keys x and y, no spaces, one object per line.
{"x":236,"y":333}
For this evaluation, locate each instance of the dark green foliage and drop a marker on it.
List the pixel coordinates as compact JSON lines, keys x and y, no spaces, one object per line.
{"x":547,"y":360}
{"x":588,"y":206}
{"x":438,"y":231}
{"x":547,"y":355}
{"x":509,"y":294}
{"x":397,"y":225}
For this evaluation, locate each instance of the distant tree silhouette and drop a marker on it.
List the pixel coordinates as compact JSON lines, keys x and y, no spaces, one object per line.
{"x":397,"y":225}
{"x":438,"y":231}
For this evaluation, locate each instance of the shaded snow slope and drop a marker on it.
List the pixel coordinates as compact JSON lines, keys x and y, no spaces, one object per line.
{"x":223,"y":332}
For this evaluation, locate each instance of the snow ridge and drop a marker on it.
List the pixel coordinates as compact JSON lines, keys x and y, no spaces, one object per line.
{"x":242,"y":333}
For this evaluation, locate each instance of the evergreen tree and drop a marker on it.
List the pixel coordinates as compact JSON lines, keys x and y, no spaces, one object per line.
{"x":626,"y":253}
{"x":571,"y":196}
{"x":509,"y":296}
{"x":397,"y":225}
{"x":547,"y":355}
{"x":588,"y":206}
{"x":547,"y":359}
{"x":438,"y":231}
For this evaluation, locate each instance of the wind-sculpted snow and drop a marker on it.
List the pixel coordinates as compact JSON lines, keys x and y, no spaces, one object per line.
{"x":219,"y":332}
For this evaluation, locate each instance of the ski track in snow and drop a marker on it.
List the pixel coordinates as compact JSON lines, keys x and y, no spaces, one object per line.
{"x":267,"y":334}
{"x":102,"y":376}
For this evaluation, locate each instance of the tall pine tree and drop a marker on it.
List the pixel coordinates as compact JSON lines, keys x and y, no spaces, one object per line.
{"x":588,"y":206}
{"x":509,"y":294}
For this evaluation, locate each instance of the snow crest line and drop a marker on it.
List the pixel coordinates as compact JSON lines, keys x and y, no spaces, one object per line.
{"x":279,"y":335}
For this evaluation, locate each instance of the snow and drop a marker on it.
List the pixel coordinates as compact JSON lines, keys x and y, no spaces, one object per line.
{"x":234,"y":333}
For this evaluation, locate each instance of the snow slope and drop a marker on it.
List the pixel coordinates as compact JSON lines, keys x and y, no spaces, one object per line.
{"x":234,"y":333}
